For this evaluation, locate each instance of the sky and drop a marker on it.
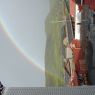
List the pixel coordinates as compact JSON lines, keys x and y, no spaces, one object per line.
{"x":22,"y":42}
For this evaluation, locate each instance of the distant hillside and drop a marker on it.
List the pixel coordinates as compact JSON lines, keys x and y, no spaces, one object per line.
{"x":54,"y":47}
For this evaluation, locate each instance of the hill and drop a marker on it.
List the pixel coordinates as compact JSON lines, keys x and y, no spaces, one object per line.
{"x":54,"y":53}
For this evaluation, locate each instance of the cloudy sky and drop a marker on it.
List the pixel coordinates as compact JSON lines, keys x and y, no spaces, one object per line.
{"x":22,"y":42}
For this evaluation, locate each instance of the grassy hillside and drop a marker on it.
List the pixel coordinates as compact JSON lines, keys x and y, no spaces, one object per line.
{"x":54,"y":48}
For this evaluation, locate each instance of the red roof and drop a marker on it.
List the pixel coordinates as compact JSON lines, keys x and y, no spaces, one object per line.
{"x":72,"y":7}
{"x":90,"y":3}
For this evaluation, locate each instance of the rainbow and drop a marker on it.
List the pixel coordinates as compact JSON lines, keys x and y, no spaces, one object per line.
{"x":18,"y":46}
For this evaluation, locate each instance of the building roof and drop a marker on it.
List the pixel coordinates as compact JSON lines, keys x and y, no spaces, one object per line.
{"x":83,"y":90}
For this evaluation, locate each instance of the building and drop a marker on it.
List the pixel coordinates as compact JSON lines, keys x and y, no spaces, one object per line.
{"x":85,"y":90}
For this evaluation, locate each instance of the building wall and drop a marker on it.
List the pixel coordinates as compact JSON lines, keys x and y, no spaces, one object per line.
{"x":90,"y":31}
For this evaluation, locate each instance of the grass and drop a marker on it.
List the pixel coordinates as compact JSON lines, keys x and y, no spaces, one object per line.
{"x":53,"y":54}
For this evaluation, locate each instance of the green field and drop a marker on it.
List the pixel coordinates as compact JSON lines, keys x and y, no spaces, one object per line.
{"x":54,"y":48}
